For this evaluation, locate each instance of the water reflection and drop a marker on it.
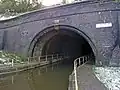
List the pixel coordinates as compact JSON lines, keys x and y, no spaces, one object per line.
{"x":52,"y":77}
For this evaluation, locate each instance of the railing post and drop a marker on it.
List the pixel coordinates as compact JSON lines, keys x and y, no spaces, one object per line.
{"x":12,"y":62}
{"x":52,"y":57}
{"x":83,"y":60}
{"x":8,"y":61}
{"x":39,"y":59}
{"x":46,"y":58}
{"x":86,"y":59}
{"x":79,"y":61}
{"x":28,"y":60}
{"x":76,"y":84}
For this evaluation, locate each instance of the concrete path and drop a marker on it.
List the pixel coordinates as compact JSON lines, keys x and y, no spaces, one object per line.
{"x":86,"y":79}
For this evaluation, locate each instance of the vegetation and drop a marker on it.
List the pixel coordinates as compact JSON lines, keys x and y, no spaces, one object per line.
{"x":116,"y":0}
{"x":5,"y":56}
{"x":64,"y":1}
{"x":13,"y":7}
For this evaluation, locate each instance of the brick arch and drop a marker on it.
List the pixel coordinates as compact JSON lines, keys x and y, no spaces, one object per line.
{"x":49,"y":32}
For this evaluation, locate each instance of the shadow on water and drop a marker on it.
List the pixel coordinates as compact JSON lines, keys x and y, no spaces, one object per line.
{"x":51,"y":77}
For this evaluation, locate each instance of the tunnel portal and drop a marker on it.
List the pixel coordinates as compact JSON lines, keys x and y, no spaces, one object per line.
{"x":62,"y":41}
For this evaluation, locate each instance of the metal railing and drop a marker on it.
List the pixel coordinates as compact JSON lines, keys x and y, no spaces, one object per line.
{"x":36,"y":59}
{"x":46,"y":57}
{"x":11,"y":79}
{"x":79,"y":62}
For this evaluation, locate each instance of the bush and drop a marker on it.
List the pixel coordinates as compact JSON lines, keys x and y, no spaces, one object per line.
{"x":9,"y":56}
{"x":13,"y":7}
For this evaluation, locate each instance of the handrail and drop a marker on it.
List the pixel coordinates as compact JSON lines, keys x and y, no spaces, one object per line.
{"x":45,"y":57}
{"x":50,"y":55}
{"x":39,"y":59}
{"x":77,"y":62}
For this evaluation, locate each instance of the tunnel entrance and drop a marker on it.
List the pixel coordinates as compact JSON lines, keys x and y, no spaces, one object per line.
{"x":62,"y":41}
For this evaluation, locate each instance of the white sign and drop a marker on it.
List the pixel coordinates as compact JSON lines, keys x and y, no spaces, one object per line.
{"x":103,"y":25}
{"x":107,"y":46}
{"x":56,"y":21}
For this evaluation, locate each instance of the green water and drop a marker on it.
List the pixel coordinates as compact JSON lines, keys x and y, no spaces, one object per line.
{"x":54,"y":77}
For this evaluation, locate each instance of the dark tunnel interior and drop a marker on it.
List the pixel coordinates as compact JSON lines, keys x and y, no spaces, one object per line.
{"x":68,"y":42}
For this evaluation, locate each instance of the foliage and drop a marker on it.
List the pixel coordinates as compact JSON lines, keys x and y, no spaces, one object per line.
{"x":116,"y":0}
{"x":12,"y":7}
{"x":64,"y":1}
{"x":9,"y":56}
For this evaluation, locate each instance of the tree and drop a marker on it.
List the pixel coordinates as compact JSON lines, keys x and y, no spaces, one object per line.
{"x":13,"y":7}
{"x":7,"y":6}
{"x":64,"y":1}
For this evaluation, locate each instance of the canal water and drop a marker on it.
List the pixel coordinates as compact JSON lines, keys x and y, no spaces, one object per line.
{"x":51,"y":77}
